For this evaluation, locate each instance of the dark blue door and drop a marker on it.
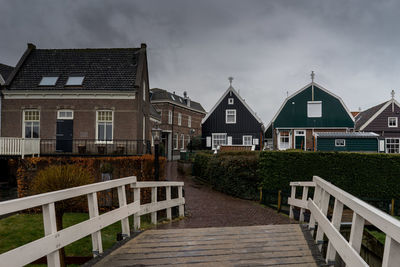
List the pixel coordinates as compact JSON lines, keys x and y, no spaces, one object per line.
{"x":64,"y":135}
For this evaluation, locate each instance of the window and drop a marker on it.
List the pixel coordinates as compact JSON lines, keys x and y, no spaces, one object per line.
{"x":75,"y":80}
{"x":392,"y":145}
{"x":179,"y":119}
{"x":256,"y":141}
{"x":230,"y":116}
{"x":189,"y":121}
{"x":230,"y":101}
{"x":176,"y":141}
{"x":314,"y":109}
{"x":284,"y":140}
{"x":340,"y":142}
{"x":65,"y":115}
{"x":48,"y":81}
{"x":104,"y":125}
{"x":392,"y":122}
{"x":218,"y":139}
{"x":31,"y":124}
{"x":247,"y":140}
{"x":169,"y":117}
{"x":183,"y":141}
{"x":144,"y":90}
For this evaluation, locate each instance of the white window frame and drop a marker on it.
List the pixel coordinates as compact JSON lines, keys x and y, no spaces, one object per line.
{"x":60,"y":117}
{"x":300,"y":133}
{"x":179,"y":119}
{"x":183,"y":141}
{"x":244,"y":143}
{"x":176,"y":141}
{"x":231,"y":101}
{"x":394,"y":144}
{"x":189,"y":121}
{"x":169,"y":117}
{"x":226,"y":116}
{"x":340,"y":142}
{"x":213,"y":146}
{"x":310,"y":110}
{"x":395,"y":120}
{"x":97,"y":127}
{"x":280,"y":147}
{"x":23,"y":122}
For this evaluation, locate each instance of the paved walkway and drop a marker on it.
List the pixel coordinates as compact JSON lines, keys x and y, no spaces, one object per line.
{"x":206,"y":207}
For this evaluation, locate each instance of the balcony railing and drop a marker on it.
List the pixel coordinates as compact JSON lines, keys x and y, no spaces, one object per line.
{"x":94,"y":147}
{"x":14,"y":146}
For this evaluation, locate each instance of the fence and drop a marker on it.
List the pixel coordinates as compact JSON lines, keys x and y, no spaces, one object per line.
{"x":54,"y":240}
{"x":13,"y":146}
{"x":349,"y":251}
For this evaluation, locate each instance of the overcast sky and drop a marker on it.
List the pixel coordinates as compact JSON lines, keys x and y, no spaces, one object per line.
{"x":269,"y":47}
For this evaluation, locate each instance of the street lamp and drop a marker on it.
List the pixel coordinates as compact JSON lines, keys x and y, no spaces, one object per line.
{"x":156,"y":132}
{"x":191,"y":140}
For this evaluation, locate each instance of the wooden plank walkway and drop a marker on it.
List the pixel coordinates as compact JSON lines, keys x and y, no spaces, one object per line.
{"x":266,"y":245}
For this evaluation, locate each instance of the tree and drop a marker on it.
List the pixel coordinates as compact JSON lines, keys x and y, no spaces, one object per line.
{"x":58,"y":177}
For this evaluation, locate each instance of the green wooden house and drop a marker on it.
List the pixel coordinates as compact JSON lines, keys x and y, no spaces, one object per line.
{"x":310,"y":110}
{"x":353,"y":141}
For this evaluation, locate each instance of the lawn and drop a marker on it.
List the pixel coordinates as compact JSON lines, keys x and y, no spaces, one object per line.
{"x":21,"y":229}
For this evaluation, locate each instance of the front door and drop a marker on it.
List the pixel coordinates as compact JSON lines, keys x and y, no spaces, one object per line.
{"x":64,"y":135}
{"x":300,"y":140}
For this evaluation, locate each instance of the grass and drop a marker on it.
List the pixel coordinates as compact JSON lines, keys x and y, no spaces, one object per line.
{"x":21,"y":229}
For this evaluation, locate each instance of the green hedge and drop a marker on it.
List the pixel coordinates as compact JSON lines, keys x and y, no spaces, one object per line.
{"x":241,"y":173}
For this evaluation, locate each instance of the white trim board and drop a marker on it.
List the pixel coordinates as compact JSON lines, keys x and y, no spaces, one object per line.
{"x":378,"y":113}
{"x":30,"y":94}
{"x":304,"y":88}
{"x":231,"y":89}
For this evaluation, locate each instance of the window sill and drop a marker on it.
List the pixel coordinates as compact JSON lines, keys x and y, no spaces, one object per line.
{"x":104,"y":142}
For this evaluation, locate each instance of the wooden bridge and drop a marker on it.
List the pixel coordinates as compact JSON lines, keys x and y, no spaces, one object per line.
{"x":269,"y":245}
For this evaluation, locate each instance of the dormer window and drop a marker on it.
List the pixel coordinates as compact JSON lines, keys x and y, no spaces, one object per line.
{"x":392,"y":122}
{"x":48,"y":81}
{"x":230,"y":101}
{"x":75,"y":80}
{"x":314,"y":109}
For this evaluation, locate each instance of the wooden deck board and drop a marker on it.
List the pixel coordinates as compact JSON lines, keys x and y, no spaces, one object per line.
{"x":283,"y":245}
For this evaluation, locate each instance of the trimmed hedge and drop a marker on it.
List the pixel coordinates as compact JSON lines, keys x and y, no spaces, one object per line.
{"x":241,"y":174}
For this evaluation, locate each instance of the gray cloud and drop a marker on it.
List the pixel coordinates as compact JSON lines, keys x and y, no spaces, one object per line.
{"x":270,"y":47}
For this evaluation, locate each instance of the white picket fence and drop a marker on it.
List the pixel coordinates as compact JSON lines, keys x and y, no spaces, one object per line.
{"x":19,"y":146}
{"x":53,"y":240}
{"x":349,"y":251}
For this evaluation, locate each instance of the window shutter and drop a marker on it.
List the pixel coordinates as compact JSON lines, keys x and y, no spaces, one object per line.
{"x":255,"y":141}
{"x":229,"y":140}
{"x":208,"y":141}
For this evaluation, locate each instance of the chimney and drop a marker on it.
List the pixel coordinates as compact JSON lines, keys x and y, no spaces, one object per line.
{"x":187,"y":99}
{"x":143,"y":45}
{"x":31,"y":46}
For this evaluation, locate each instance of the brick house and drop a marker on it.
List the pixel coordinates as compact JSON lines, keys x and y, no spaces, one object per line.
{"x":79,"y":100}
{"x":180,"y":120}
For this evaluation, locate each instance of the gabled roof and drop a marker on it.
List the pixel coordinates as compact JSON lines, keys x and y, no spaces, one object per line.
{"x":102,"y":68}
{"x":366,"y":117}
{"x":5,"y":71}
{"x":231,"y":89}
{"x":161,"y":95}
{"x":304,"y":88}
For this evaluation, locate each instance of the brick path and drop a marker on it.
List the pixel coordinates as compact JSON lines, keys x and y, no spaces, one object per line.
{"x":208,"y":208}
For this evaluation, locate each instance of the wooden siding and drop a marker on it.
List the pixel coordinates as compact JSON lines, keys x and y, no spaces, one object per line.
{"x":246,"y":123}
{"x":380,"y":124}
{"x":352,"y":144}
{"x":294,"y":113}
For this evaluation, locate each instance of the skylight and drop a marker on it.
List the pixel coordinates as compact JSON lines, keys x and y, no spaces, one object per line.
{"x":48,"y":81}
{"x":75,"y":80}
{"x":173,"y":98}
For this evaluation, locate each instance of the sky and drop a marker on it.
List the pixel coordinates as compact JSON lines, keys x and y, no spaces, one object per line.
{"x":269,"y":47}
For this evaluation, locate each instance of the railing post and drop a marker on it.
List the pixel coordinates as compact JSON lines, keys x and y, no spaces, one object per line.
{"x":293,"y":196}
{"x":22,"y":147}
{"x":316,"y":198}
{"x":304,"y":199}
{"x":180,"y":196}
{"x":122,"y":202}
{"x":356,"y":232}
{"x":154,"y":200}
{"x":336,"y":220}
{"x":391,"y":254}
{"x":136,"y":216}
{"x":97,"y":246}
{"x":50,"y":227}
{"x":324,"y":204}
{"x":279,"y":200}
{"x":168,"y":193}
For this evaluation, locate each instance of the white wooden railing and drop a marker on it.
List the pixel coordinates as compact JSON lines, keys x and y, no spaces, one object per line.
{"x":53,"y":240}
{"x":19,"y":146}
{"x":349,"y":251}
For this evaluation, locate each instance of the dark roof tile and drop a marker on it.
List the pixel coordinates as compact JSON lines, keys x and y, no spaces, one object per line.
{"x":158,"y":94}
{"x":365,"y":115}
{"x":5,"y":71}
